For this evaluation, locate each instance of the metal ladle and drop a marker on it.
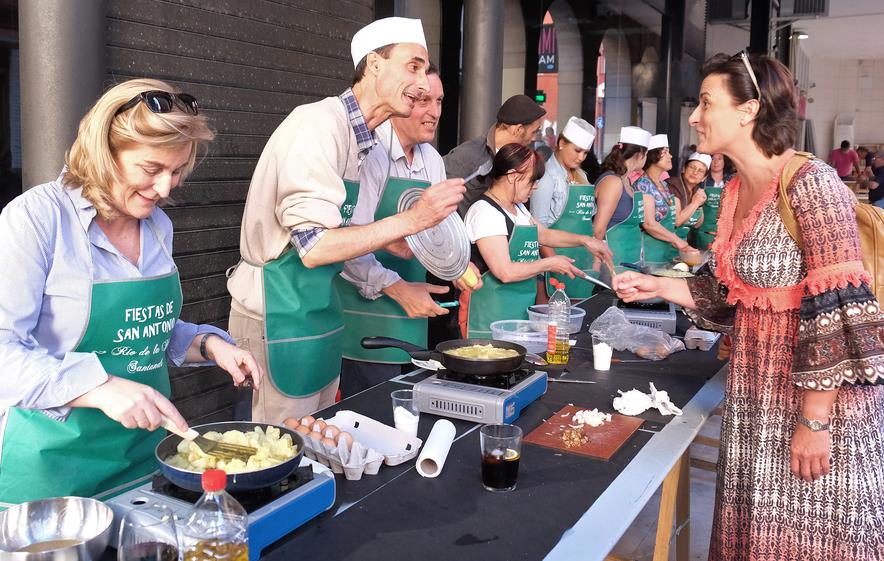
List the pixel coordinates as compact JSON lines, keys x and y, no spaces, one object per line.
{"x":484,"y":169}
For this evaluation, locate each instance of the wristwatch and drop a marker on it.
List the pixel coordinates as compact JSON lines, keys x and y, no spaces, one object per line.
{"x":812,"y":424}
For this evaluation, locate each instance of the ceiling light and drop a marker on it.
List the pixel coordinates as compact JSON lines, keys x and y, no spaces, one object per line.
{"x":799,"y":35}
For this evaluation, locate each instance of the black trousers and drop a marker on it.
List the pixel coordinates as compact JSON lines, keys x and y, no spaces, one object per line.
{"x":357,"y":376}
{"x":443,"y":328}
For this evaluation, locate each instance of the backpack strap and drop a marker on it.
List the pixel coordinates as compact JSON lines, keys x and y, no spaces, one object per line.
{"x":783,"y":205}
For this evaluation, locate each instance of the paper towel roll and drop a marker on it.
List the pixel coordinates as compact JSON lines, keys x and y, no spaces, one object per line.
{"x":432,"y":457}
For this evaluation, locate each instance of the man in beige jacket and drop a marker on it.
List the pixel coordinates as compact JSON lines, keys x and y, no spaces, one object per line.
{"x":295,"y":233}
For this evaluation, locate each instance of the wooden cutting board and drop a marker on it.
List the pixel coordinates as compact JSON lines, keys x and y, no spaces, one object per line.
{"x":604,"y":441}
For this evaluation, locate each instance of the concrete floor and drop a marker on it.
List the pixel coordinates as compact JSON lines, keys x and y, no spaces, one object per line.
{"x":637,"y":544}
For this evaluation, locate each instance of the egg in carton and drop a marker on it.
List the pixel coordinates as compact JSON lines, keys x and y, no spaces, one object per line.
{"x":358,"y":450}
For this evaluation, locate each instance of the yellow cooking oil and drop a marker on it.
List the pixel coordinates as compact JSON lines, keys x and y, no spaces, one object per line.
{"x":560,"y":354}
{"x":557,"y":349}
{"x":216,"y":550}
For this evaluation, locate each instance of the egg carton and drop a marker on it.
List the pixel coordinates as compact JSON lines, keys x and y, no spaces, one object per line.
{"x":374,"y":443}
{"x":700,"y":339}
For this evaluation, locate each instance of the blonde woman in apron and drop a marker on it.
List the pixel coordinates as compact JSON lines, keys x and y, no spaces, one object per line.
{"x":506,"y":244}
{"x":91,"y":301}
{"x":565,"y":200}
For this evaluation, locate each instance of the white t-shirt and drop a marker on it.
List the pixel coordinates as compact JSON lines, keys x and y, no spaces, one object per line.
{"x":483,"y":220}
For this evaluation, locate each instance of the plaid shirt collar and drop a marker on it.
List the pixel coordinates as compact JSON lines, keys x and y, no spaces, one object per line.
{"x":365,"y":137}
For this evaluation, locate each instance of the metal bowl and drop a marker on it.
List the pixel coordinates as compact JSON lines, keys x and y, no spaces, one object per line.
{"x":57,"y":529}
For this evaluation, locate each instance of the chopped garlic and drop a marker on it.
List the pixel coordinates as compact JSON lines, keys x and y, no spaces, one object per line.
{"x":593,"y":418}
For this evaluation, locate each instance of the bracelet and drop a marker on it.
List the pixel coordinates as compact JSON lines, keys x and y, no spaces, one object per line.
{"x":813,"y":424}
{"x":203,"y":352}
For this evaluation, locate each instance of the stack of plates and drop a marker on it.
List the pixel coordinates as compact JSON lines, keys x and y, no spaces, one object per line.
{"x":444,"y":249}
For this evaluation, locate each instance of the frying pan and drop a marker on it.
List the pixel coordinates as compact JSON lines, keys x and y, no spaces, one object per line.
{"x":655,"y":270}
{"x":248,"y":481}
{"x":462,"y":365}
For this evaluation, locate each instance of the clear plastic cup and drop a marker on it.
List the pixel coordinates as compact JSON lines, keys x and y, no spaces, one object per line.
{"x":406,"y":415}
{"x":601,"y":354}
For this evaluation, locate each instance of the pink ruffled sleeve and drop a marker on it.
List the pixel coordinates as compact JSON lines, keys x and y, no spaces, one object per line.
{"x":841,"y":327}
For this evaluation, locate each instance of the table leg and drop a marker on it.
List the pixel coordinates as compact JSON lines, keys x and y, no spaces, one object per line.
{"x":683,"y":509}
{"x":675,"y":506}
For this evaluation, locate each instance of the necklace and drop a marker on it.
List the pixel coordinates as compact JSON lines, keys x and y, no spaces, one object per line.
{"x":501,"y":203}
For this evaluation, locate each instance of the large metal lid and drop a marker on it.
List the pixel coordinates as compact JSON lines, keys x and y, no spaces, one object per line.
{"x":444,"y":249}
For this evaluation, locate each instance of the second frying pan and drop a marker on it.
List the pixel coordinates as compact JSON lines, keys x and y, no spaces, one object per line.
{"x":462,"y":365}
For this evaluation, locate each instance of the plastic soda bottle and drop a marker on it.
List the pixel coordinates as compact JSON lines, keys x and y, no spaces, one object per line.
{"x":217,"y":527}
{"x":557,"y":336}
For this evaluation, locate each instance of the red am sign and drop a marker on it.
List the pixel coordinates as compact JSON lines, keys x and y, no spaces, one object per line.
{"x":546,"y":50}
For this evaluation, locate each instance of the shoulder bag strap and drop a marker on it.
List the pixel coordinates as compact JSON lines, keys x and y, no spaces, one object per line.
{"x":783,"y":204}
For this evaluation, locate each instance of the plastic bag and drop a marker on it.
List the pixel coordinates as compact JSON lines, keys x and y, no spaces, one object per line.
{"x":613,"y":328}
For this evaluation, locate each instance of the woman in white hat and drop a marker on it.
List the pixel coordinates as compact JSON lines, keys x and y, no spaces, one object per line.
{"x":565,"y":200}
{"x":721,"y":170}
{"x":619,"y":214}
{"x":688,"y":191}
{"x":660,"y":242}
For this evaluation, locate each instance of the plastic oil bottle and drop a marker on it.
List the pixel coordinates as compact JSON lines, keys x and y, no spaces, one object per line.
{"x":217,"y":528}
{"x":557,"y":336}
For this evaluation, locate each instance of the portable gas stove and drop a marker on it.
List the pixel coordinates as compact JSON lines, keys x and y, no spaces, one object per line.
{"x":273,"y":511}
{"x":660,"y":315}
{"x":497,"y":398}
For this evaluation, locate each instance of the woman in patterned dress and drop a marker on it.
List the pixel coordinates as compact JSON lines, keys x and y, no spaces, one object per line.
{"x":801,"y":466}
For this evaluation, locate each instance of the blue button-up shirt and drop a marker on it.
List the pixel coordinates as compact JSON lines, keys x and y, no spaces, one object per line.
{"x":51,"y":249}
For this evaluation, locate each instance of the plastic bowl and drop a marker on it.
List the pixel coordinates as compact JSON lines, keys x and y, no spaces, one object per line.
{"x":539,"y":316}
{"x":522,"y":332}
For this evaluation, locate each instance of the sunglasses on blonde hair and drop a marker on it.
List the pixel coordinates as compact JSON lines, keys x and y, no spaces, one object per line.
{"x":158,"y":101}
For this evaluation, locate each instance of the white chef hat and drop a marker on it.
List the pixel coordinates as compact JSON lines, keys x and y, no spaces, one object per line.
{"x":386,"y":31}
{"x":635,"y":135}
{"x":702,"y":158}
{"x":580,"y":132}
{"x":658,"y":141}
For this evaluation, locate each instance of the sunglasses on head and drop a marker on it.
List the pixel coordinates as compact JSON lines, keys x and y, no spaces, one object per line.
{"x":159,"y":101}
{"x":743,"y":56}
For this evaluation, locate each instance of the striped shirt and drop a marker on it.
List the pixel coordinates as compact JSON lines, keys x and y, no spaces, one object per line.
{"x":304,"y":239}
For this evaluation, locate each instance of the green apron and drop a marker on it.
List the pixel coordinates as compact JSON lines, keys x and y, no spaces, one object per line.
{"x":303,"y":324}
{"x":710,"y":217}
{"x":505,"y":300}
{"x":658,"y":251}
{"x":383,"y":316}
{"x":624,"y":239}
{"x":89,"y":454}
{"x":576,"y":217}
{"x":684,"y":230}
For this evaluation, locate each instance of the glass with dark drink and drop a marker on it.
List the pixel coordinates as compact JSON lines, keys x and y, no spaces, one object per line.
{"x":501,"y":447}
{"x":147,"y":533}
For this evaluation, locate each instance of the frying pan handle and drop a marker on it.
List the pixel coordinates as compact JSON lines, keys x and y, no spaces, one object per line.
{"x":386,"y":342}
{"x":415,"y":351}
